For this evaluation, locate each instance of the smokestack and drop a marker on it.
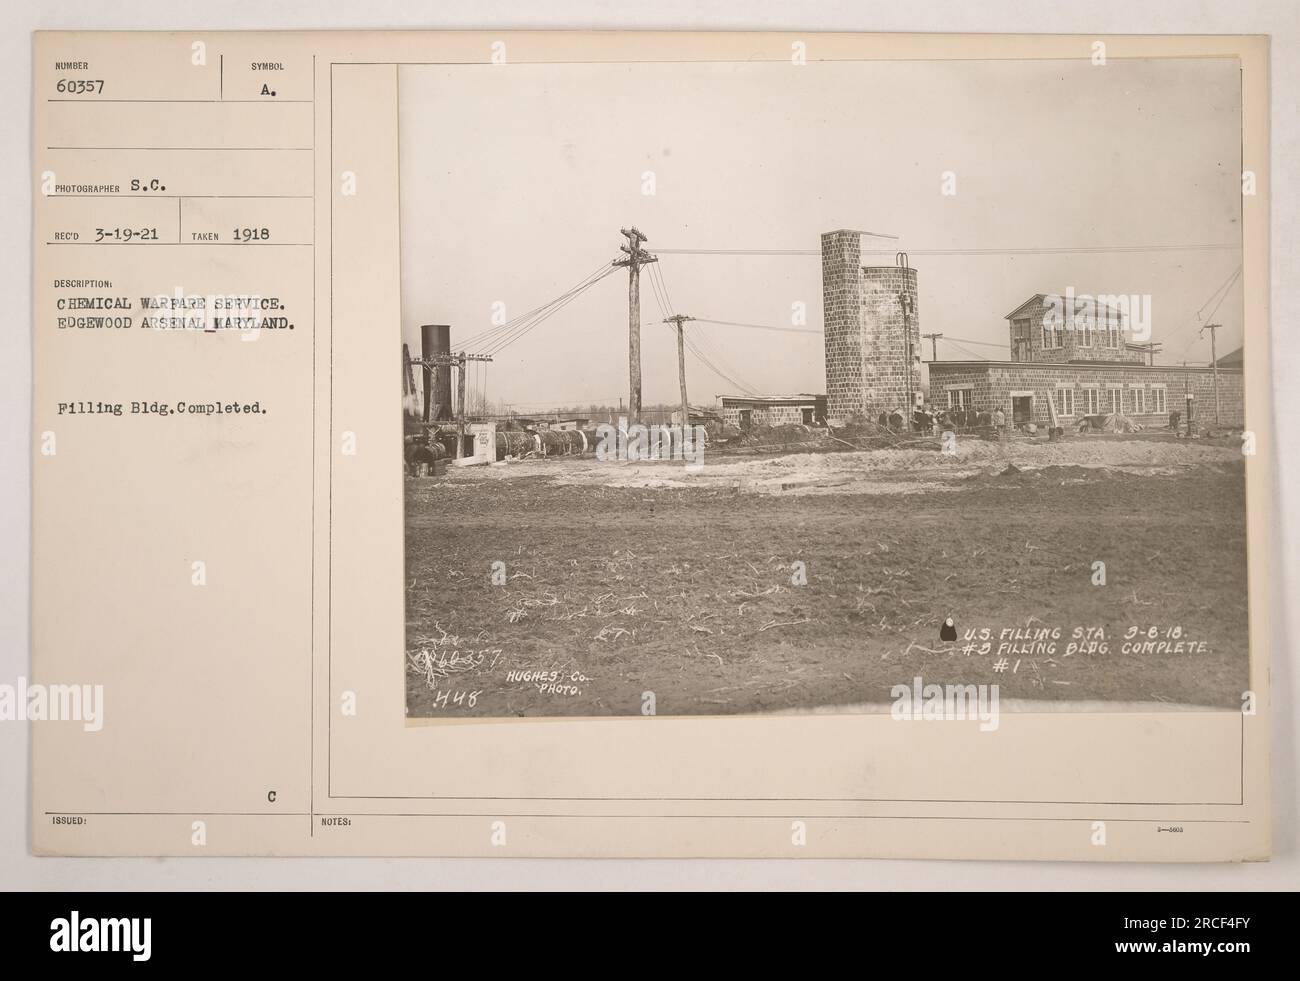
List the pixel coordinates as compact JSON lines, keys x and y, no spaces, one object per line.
{"x":872,"y":331}
{"x":435,"y":341}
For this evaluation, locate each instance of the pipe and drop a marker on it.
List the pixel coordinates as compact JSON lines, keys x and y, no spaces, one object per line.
{"x":421,"y":454}
{"x":513,"y":443}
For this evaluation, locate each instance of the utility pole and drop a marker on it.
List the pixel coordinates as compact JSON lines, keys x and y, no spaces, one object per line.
{"x":905,"y":302}
{"x":460,"y":404}
{"x":934,"y":348}
{"x":1214,"y":363}
{"x":457,"y":361}
{"x":636,"y":258}
{"x":1151,"y":348}
{"x":908,"y":308}
{"x":679,"y":319}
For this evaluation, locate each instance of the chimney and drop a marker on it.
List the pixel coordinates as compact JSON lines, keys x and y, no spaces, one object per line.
{"x":435,"y":341}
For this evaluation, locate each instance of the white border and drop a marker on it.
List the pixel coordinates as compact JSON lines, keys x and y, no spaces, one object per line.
{"x":1279,"y":18}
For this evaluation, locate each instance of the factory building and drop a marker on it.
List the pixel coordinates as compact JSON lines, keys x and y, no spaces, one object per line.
{"x":1085,"y":364}
{"x":1145,"y":394}
{"x":747,"y":412}
{"x":1041,"y":330}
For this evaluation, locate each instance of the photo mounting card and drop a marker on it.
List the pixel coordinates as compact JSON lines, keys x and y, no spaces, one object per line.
{"x":807,"y":445}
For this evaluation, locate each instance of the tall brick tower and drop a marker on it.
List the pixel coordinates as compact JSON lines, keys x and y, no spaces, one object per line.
{"x":872,"y":331}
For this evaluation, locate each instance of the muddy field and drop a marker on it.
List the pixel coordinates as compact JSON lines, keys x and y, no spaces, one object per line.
{"x":815,"y":582}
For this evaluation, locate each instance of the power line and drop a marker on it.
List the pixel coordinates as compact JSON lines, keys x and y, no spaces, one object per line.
{"x":1225,"y":287}
{"x":658,"y":273}
{"x":739,"y":251}
{"x":1224,"y":290}
{"x":1033,"y":250}
{"x":495,"y":333}
{"x":501,"y":329}
{"x":691,"y":342}
{"x":659,"y":292}
{"x":788,"y":330}
{"x":965,"y":340}
{"x":504,"y":342}
{"x":967,"y":351}
{"x":1061,"y":250}
{"x":662,"y":297}
{"x":724,"y":368}
{"x":521,"y":326}
{"x":718,"y":371}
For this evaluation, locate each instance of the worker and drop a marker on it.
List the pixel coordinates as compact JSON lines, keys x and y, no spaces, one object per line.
{"x":999,"y":421}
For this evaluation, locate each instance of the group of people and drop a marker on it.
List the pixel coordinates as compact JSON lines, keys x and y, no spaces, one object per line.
{"x":928,"y":418}
{"x":953,"y":418}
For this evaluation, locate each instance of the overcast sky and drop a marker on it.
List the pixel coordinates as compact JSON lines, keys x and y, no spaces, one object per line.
{"x":517,"y":178}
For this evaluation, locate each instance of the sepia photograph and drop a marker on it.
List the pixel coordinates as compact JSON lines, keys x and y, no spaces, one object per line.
{"x":771,"y":383}
{"x":735,"y":388}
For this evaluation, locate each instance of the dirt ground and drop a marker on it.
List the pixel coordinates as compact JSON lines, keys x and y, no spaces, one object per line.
{"x":809,"y":582}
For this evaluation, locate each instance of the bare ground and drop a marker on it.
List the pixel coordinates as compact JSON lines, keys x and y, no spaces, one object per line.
{"x":623,"y":580}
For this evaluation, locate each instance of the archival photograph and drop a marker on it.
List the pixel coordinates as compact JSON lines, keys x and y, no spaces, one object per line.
{"x":823,"y":387}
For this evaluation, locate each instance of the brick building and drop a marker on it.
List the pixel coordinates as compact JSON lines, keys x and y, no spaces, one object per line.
{"x":745,"y":412}
{"x":1043,"y":331}
{"x":1079,"y":352}
{"x":1145,"y":394}
{"x":1087,"y":365}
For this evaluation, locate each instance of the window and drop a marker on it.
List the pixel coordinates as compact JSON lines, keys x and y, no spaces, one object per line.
{"x":1091,"y":401}
{"x":1053,"y":329}
{"x":1113,"y":327}
{"x":1158,"y":401}
{"x":959,"y":398}
{"x":1065,"y":401}
{"x":1113,"y":400}
{"x":1084,"y":321}
{"x":1139,"y":401}
{"x":1020,"y":339}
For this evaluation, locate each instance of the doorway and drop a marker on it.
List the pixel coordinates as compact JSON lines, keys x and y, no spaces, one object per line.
{"x":1022,"y":409}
